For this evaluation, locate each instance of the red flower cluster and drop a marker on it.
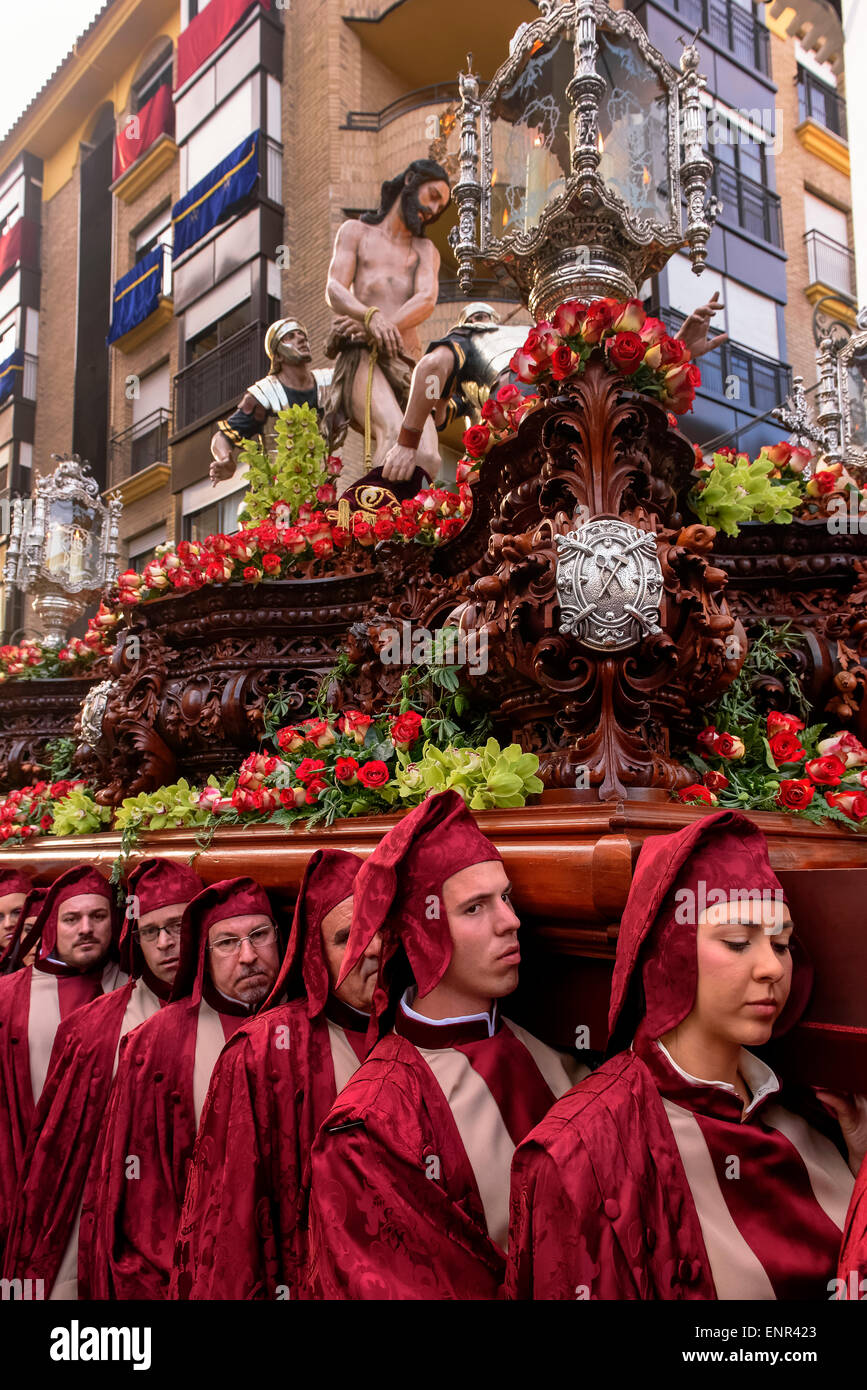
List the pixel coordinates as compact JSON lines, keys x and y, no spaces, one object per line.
{"x":632,"y":343}
{"x":501,"y":416}
{"x":26,"y":811}
{"x":31,"y":659}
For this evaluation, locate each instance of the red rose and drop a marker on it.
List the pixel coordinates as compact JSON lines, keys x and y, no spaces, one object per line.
{"x":354,"y":724}
{"x":346,"y":770}
{"x":307,"y":768}
{"x":478,"y":440}
{"x":541,"y":341}
{"x":525,"y":367}
{"x":362,"y":530}
{"x":568,"y":318}
{"x":384,"y":526}
{"x":494,"y":415}
{"x":251,"y":574}
{"x":600,"y":316}
{"x":707,"y":738}
{"x":407,"y":527}
{"x":313,"y":788}
{"x":785,"y":748}
{"x":728,"y":746}
{"x":271,"y":563}
{"x":405,"y":729}
{"x":318,"y":731}
{"x":852,"y":804}
{"x":563,"y":362}
{"x":326,"y":493}
{"x":652,"y":331}
{"x":509,"y":395}
{"x":46,"y":822}
{"x":825,"y":481}
{"x":827,"y":770}
{"x":788,"y":722}
{"x":795,"y":793}
{"x":696,"y":792}
{"x":626,"y":351}
{"x":779,"y":454}
{"x":290,"y":738}
{"x":373,"y":774}
{"x":715,"y":781}
{"x":322,"y":547}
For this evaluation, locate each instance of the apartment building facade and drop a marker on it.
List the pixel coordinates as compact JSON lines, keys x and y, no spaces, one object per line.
{"x":184,"y":172}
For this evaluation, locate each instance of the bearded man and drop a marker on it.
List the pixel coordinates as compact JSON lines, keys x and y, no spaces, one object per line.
{"x":383,"y":282}
{"x":242,"y":1232}
{"x":43,"y":1239}
{"x":229,"y":959}
{"x":290,"y":381}
{"x":76,"y":962}
{"x":410,"y":1172}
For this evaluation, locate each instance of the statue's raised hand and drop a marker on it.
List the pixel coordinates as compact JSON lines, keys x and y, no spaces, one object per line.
{"x":694,"y":330}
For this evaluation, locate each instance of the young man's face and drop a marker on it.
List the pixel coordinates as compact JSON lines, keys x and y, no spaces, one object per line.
{"x":159,"y":936}
{"x":84,"y":930}
{"x":10,"y":908}
{"x":244,"y":957}
{"x":484,"y":932}
{"x":357,"y":989}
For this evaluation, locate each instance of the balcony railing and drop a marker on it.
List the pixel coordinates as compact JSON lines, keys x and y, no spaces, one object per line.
{"x":727,"y":25}
{"x":821,"y":103}
{"x":761,"y":382}
{"x":752,"y":206}
{"x":423,"y":96}
{"x":216,"y":381}
{"x":28,"y":377}
{"x":144,"y":443}
{"x":830,"y":263}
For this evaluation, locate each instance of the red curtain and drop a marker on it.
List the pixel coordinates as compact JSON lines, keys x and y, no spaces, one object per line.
{"x":139,"y":132}
{"x":207,"y":31}
{"x":18,"y":244}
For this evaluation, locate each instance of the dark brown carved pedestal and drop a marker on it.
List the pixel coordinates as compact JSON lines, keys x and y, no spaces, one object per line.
{"x":32,"y":713}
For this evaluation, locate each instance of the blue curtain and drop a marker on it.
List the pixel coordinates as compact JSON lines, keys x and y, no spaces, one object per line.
{"x":217,"y":195}
{"x":137,"y":294}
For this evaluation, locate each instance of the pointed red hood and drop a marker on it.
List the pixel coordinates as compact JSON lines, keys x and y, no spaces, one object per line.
{"x":14,"y":881}
{"x":655,"y":972}
{"x":153,"y":884}
{"x":329,"y":879}
{"x":74,"y":883}
{"x":397,"y":883}
{"x":29,"y":908}
{"x":231,"y":897}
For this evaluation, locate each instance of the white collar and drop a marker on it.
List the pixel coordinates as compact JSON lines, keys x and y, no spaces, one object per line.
{"x":489,"y":1018}
{"x":757,"y":1074}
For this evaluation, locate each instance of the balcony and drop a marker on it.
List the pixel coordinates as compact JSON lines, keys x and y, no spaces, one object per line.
{"x":762,"y":382}
{"x":215,"y":382}
{"x":747,"y":203}
{"x":728,"y":27}
{"x":144,"y":146}
{"x":144,"y":443}
{"x":831,"y":275}
{"x":142,"y":300}
{"x":440,"y":94}
{"x":822,"y":125}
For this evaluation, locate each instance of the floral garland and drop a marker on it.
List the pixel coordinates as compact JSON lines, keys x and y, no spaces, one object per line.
{"x":784,"y":766}
{"x":30,"y":811}
{"x":731,"y":490}
{"x":275,"y":549}
{"x":30,"y":660}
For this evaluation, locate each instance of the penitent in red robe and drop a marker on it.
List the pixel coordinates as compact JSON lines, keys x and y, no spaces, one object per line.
{"x":411,"y":1170}
{"x":241,"y":1233}
{"x":33,"y":1004}
{"x":43,"y":1238}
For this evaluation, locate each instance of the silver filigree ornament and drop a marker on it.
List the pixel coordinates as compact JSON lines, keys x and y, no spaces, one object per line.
{"x":609,"y":581}
{"x":93,"y":713}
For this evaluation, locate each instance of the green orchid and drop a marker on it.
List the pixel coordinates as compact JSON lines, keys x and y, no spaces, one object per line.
{"x":78,"y":814}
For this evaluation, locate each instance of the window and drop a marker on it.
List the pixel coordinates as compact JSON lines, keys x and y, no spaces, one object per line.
{"x":237,"y":117}
{"x":827,"y":239}
{"x":157,"y":74}
{"x":142,"y":549}
{"x":820,"y":102}
{"x":218,"y":332}
{"x":8,"y":335}
{"x":750,"y":319}
{"x":11,"y":204}
{"x":218,"y":518}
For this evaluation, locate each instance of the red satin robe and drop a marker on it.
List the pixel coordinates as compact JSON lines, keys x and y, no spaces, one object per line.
{"x":43,"y":1238}
{"x":33,"y":1003}
{"x":134,"y":1192}
{"x":409,"y":1194}
{"x":645,"y":1184}
{"x":853,"y":1257}
{"x":277,"y":1079}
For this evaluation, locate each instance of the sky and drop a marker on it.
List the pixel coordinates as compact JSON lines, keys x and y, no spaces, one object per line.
{"x":36,"y":38}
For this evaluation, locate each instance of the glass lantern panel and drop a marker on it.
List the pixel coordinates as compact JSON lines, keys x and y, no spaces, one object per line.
{"x":530,"y":140}
{"x":856,"y":403}
{"x":633,"y":128}
{"x":72,"y":544}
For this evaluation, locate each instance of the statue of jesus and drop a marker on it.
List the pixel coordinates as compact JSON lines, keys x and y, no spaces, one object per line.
{"x":383,"y":282}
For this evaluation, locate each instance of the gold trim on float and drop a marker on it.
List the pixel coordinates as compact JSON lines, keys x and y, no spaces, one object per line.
{"x":139,"y":485}
{"x":827,"y":146}
{"x":164,"y":313}
{"x":144,"y":170}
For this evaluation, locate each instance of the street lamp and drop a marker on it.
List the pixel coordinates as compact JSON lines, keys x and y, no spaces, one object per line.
{"x":573,"y":160}
{"x":63,"y":545}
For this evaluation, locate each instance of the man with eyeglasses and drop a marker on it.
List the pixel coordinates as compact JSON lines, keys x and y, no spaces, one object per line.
{"x":76,"y":962}
{"x":242,"y":1232}
{"x":228,"y":961}
{"x":44,"y":1236}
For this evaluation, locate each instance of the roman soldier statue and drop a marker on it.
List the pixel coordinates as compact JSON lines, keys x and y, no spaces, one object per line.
{"x":290,"y":381}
